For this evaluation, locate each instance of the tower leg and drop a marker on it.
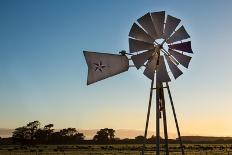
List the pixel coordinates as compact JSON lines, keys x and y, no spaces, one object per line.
{"x":163,"y":109}
{"x":158,"y":88}
{"x":174,"y":113}
{"x":148,"y":115}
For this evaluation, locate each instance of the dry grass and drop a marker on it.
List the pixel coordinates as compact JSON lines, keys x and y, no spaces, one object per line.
{"x":122,"y":149}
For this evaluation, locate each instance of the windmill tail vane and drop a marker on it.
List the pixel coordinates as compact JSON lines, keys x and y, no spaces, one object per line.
{"x":159,"y":46}
{"x":104,"y":65}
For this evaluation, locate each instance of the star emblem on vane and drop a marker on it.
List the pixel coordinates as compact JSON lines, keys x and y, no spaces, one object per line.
{"x":99,"y":66}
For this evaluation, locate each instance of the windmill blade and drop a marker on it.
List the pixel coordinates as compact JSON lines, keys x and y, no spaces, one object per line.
{"x":174,"y":69}
{"x":147,"y":24}
{"x":170,"y":26}
{"x":138,"y":33}
{"x":104,"y":65}
{"x":158,"y":21}
{"x":185,"y":47}
{"x":179,"y":35}
{"x":181,"y":58}
{"x":162,"y":74}
{"x":151,"y":67}
{"x":141,"y":58}
{"x":137,"y":45}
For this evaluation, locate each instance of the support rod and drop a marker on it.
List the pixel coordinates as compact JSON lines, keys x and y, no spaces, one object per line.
{"x":148,"y":116}
{"x":174,"y":113}
{"x":158,"y":88}
{"x":163,"y":109}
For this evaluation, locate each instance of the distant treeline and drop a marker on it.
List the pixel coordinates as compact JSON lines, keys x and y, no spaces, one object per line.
{"x":33,"y":134}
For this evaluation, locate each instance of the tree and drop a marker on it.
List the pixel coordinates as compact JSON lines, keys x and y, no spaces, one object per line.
{"x":33,"y":134}
{"x":67,"y":136}
{"x":152,"y":139}
{"x":43,"y":135}
{"x":26,"y":134}
{"x":111,"y":133}
{"x":48,"y":130}
{"x":48,"y":127}
{"x":104,"y":135}
{"x":40,"y":136}
{"x":33,"y":127}
{"x":21,"y":135}
{"x":139,"y":138}
{"x":79,"y":137}
{"x":68,"y":132}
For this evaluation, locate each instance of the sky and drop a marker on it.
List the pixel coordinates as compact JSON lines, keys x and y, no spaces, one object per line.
{"x":43,"y":71}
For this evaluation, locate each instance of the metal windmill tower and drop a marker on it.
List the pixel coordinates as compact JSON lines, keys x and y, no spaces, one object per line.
{"x":155,"y":42}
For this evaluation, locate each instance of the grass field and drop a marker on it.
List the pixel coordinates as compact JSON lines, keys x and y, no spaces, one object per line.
{"x":119,"y":149}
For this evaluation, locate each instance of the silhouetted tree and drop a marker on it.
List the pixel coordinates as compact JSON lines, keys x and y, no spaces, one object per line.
{"x":43,"y":135}
{"x":48,"y":127}
{"x":139,"y":138}
{"x":40,"y":136}
{"x":152,"y":139}
{"x":111,"y":133}
{"x":65,"y":136}
{"x":56,"y":138}
{"x":26,"y":134}
{"x":68,"y":132}
{"x":104,"y":135}
{"x":48,"y":130}
{"x":79,"y":136}
{"x":33,"y":134}
{"x":33,"y":127}
{"x":21,"y":135}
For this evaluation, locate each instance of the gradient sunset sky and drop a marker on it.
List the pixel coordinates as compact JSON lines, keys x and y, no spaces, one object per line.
{"x":43,"y":72}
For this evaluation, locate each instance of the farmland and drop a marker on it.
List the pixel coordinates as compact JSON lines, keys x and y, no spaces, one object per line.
{"x":116,"y":149}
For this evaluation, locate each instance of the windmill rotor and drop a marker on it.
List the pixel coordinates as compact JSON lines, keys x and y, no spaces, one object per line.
{"x":154,"y":27}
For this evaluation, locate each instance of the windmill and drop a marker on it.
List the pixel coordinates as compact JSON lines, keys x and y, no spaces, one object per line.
{"x":156,"y":43}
